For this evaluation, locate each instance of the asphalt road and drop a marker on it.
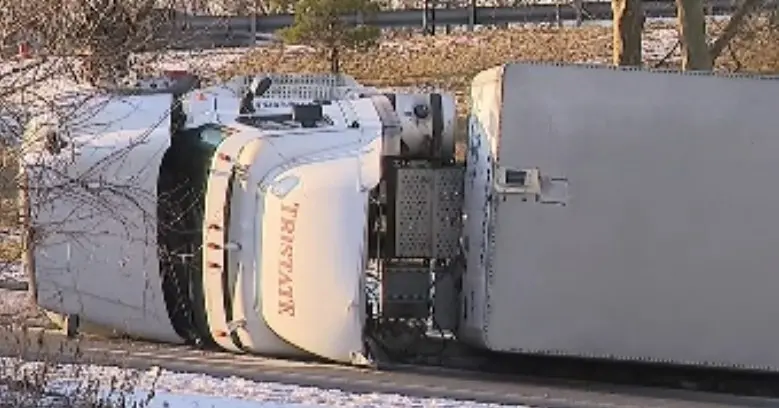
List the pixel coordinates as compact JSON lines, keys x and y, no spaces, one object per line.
{"x":418,"y":382}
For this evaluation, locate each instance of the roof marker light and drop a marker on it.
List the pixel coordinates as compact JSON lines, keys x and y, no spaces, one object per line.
{"x":281,"y":188}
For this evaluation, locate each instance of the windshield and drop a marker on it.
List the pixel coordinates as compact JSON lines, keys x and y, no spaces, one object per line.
{"x":181,"y":193}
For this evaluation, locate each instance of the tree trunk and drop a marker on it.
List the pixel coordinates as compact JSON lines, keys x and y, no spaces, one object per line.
{"x":335,"y":63}
{"x":692,"y":28}
{"x":627,"y":25}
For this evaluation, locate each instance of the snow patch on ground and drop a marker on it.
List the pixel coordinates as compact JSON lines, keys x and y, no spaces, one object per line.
{"x":165,"y":400}
{"x":198,"y":388}
{"x":12,"y":272}
{"x":37,"y":81}
{"x":16,"y":304}
{"x":16,"y":308}
{"x":658,"y":42}
{"x":12,"y":302}
{"x":202,"y":62}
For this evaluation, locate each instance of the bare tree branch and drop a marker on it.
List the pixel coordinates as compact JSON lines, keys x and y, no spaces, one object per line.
{"x":668,"y":54}
{"x":731,"y":29}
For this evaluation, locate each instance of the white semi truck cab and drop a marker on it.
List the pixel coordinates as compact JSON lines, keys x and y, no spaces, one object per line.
{"x":600,"y":212}
{"x":239,"y":216}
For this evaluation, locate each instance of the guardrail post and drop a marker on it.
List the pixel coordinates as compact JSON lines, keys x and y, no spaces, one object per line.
{"x":428,"y":17}
{"x":448,"y":27}
{"x":579,"y":9}
{"x":471,"y":15}
{"x":558,"y":16}
{"x":254,"y":25}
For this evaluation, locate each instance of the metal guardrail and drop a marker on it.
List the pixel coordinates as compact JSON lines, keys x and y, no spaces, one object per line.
{"x":533,"y":13}
{"x":234,"y":31}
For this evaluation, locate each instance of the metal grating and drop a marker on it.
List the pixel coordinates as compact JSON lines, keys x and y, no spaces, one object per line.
{"x":427,"y":209}
{"x":312,"y":86}
{"x":405,"y":291}
{"x":447,"y":212}
{"x":312,"y":79}
{"x":413,"y":213}
{"x":302,"y":86}
{"x":306,"y":92}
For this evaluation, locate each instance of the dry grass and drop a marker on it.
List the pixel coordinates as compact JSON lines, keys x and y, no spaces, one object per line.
{"x":10,"y":246}
{"x":756,"y":49}
{"x":10,"y":251}
{"x":450,"y":62}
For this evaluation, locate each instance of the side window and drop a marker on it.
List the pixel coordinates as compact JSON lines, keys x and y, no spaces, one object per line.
{"x":212,"y":135}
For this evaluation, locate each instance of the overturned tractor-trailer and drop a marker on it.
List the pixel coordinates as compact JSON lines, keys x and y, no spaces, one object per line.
{"x":234,"y":216}
{"x":597,"y":212}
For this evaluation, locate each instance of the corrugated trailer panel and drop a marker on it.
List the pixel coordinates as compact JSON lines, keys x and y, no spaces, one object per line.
{"x":660,"y":241}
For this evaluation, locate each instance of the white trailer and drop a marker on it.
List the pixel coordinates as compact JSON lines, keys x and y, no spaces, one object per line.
{"x":600,"y":212}
{"x":653,"y":236}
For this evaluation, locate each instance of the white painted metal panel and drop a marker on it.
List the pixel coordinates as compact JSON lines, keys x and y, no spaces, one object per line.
{"x":477,"y":209}
{"x":262,"y":158}
{"x":245,"y":227}
{"x":217,"y":211}
{"x":221,"y":104}
{"x":667,"y":248}
{"x":94,"y":207}
{"x":246,"y":221}
{"x":314,"y":256}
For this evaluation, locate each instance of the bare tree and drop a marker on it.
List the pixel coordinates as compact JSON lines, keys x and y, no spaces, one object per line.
{"x":49,"y":87}
{"x":697,"y":52}
{"x":104,"y":32}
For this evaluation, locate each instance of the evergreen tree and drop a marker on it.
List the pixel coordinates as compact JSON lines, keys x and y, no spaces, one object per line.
{"x":322,"y":24}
